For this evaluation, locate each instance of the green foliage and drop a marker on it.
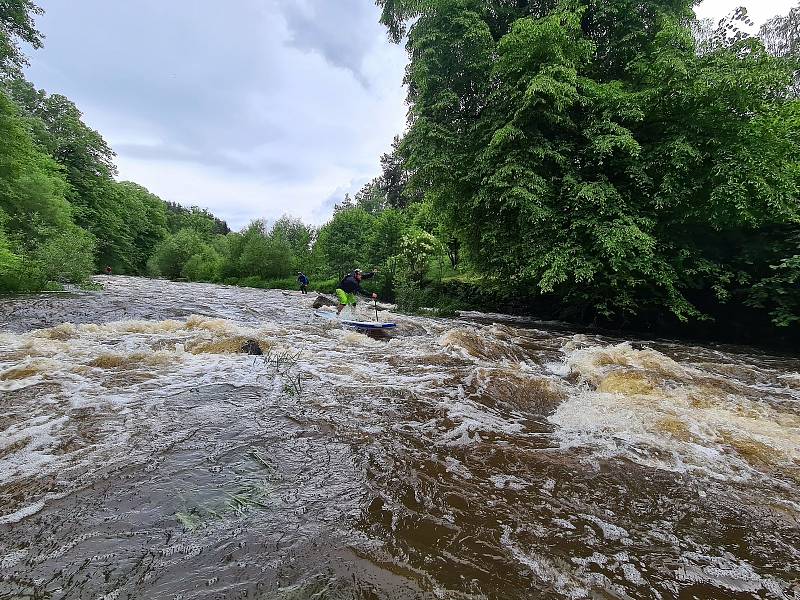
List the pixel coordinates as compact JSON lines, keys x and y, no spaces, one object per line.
{"x":199,"y":219}
{"x":264,"y":254}
{"x":385,"y":247}
{"x":17,"y":272}
{"x":779,"y":289}
{"x":588,"y":151}
{"x":173,"y":253}
{"x":16,"y":24}
{"x":296,"y":236}
{"x":38,"y":239}
{"x":143,"y":227}
{"x":416,"y":249}
{"x":344,"y":240}
{"x":66,"y":255}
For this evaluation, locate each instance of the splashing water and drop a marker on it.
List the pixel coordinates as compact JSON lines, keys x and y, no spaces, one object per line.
{"x":143,"y":455}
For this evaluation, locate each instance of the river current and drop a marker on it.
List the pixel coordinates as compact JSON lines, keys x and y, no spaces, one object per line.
{"x":142,"y":455}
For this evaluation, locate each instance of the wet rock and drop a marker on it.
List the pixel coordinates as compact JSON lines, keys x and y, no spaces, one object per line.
{"x":323,"y":301}
{"x":251,"y":347}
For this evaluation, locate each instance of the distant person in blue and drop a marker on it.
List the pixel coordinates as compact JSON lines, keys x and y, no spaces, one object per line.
{"x":303,"y":281}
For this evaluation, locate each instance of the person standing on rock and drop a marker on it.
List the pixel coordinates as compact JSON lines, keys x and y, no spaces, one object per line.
{"x":349,"y":287}
{"x":303,"y":281}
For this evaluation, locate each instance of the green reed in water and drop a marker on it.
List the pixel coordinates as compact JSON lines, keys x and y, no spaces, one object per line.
{"x":284,"y":364}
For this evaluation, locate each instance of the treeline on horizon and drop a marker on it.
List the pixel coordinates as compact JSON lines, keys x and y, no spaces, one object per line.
{"x":616,"y":162}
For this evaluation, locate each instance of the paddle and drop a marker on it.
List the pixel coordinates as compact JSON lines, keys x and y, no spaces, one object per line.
{"x":375,"y":300}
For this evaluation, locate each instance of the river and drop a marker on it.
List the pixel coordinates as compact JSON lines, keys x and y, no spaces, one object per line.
{"x":143,"y":456}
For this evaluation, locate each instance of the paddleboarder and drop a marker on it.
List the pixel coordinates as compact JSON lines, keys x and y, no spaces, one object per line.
{"x":349,"y":287}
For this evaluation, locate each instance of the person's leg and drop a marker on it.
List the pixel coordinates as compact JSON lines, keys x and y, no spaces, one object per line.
{"x":352,"y":300}
{"x":343,"y":300}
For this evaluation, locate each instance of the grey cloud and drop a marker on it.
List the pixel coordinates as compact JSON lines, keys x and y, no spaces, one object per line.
{"x":342,"y":31}
{"x":268,"y":169}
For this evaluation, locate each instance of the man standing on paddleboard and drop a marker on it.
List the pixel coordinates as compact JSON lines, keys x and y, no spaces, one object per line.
{"x":349,"y":287}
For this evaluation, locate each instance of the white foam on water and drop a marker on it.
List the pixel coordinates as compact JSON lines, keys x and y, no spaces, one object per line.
{"x":22,"y":513}
{"x":471,"y":419}
{"x":727,"y":573}
{"x":12,"y":558}
{"x":510,"y":482}
{"x":564,"y":524}
{"x":650,"y":409}
{"x":544,"y":569}
{"x":110,"y":380}
{"x":34,"y":439}
{"x":632,"y":574}
{"x":457,"y":468}
{"x":561,"y":369}
{"x":610,"y":531}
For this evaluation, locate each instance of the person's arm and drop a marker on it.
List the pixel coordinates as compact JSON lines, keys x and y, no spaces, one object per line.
{"x":368,"y":275}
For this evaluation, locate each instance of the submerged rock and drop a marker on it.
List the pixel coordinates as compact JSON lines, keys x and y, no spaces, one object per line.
{"x":251,"y":347}
{"x":323,"y":301}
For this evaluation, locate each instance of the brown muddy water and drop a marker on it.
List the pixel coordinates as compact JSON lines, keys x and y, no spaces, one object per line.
{"x":141,"y":456}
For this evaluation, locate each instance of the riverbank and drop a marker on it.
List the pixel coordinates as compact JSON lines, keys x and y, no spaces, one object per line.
{"x":732,"y":323}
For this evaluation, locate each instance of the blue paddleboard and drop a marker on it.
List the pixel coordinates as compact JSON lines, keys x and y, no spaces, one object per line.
{"x":326,"y":314}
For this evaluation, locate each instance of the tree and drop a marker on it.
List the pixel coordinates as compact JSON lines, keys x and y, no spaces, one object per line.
{"x":587,"y":151}
{"x":16,"y":24}
{"x":385,"y":247}
{"x":38,"y":238}
{"x":781,"y":34}
{"x":297,"y":237}
{"x":394,"y":177}
{"x":371,"y":198}
{"x":145,"y":225}
{"x":416,"y":248}
{"x":199,"y":219}
{"x":66,"y":255}
{"x":344,"y":240}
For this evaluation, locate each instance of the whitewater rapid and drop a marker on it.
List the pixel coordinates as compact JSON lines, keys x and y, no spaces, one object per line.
{"x":142,"y":454}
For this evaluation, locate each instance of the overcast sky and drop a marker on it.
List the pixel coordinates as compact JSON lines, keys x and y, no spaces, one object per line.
{"x":251,"y":108}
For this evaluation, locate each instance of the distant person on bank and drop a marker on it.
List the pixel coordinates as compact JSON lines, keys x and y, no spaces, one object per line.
{"x":303,"y":281}
{"x":349,"y":287}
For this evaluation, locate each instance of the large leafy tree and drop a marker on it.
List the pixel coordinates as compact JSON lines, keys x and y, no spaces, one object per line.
{"x":297,"y":237}
{"x":17,"y":25}
{"x":587,"y":150}
{"x":145,"y":226}
{"x":38,"y":238}
{"x":344,"y":240}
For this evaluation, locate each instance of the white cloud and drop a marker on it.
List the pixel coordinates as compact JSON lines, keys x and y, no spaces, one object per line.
{"x":250,"y":109}
{"x":758,"y":10}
